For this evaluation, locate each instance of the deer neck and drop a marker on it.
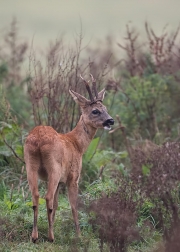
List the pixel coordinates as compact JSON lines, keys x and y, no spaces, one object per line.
{"x":82,"y":134}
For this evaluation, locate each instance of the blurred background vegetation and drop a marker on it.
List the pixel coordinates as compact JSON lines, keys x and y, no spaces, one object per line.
{"x":129,"y":187}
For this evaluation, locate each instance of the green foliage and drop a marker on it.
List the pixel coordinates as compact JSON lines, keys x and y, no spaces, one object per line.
{"x":14,"y":101}
{"x":104,"y":157}
{"x":100,"y":188}
{"x":11,"y":134}
{"x":91,"y":150}
{"x":146,"y":106}
{"x":145,"y":170}
{"x":11,"y":143}
{"x":3,"y":71}
{"x":20,"y":104}
{"x":94,"y":159}
{"x":146,"y":214}
{"x":4,"y":106}
{"x":2,"y":191}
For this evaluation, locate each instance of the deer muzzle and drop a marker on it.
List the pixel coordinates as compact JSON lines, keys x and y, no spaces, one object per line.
{"x":107,"y":124}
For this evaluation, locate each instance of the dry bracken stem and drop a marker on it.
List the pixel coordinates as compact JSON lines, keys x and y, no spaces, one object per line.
{"x":11,"y":195}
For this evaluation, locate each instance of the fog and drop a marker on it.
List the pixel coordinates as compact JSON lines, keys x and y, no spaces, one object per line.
{"x":45,"y":20}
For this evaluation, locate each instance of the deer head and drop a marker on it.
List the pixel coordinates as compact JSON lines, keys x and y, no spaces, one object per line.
{"x":93,"y":111}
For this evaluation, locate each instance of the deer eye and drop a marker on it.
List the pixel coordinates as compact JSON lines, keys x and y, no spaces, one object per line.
{"x":96,"y":111}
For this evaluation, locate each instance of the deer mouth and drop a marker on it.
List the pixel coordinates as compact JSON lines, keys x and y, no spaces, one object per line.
{"x":107,"y":124}
{"x":107,"y":127}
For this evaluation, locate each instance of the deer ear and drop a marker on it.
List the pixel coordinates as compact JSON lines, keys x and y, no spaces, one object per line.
{"x":81,"y":100}
{"x":101,"y":94}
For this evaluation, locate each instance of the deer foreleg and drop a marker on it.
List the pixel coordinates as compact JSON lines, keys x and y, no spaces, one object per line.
{"x":73,"y":194}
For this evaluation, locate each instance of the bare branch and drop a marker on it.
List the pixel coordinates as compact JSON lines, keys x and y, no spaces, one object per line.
{"x":13,"y":151}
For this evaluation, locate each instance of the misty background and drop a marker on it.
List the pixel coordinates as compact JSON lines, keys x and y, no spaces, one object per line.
{"x":43,"y":20}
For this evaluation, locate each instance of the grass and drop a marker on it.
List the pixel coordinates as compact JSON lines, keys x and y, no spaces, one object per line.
{"x":16,"y":228}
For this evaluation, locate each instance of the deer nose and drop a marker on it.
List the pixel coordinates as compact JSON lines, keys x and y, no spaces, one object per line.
{"x":109,"y":121}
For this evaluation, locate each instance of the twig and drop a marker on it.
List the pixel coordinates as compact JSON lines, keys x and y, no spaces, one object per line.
{"x":21,"y":178}
{"x":101,"y":172}
{"x":13,"y":151}
{"x":122,"y":128}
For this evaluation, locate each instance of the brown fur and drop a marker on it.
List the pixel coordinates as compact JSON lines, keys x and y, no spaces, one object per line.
{"x":57,"y":158}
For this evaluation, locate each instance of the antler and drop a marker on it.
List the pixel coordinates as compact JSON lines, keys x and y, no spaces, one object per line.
{"x":88,"y":89}
{"x":94,"y":86}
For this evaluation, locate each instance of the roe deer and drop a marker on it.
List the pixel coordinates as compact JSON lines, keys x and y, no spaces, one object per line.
{"x":56,"y":158}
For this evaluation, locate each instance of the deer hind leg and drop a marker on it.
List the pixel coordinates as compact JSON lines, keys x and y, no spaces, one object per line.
{"x":32,"y":177}
{"x":51,"y":203}
{"x":55,"y":203}
{"x":73,"y":195}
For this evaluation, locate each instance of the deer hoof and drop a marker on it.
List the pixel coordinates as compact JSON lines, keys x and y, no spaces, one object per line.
{"x":51,"y":240}
{"x":51,"y":237}
{"x":34,"y":236}
{"x":34,"y":240}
